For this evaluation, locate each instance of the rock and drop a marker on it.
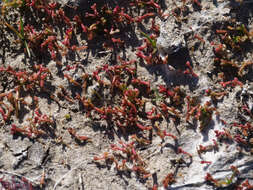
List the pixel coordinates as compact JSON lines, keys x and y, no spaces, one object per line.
{"x":80,"y":4}
{"x":1,"y":155}
{"x":18,"y":159}
{"x":251,"y":141}
{"x":1,"y":151}
{"x":171,"y":38}
{"x":18,"y":146}
{"x":172,"y":33}
{"x":246,"y":169}
{"x":37,"y":153}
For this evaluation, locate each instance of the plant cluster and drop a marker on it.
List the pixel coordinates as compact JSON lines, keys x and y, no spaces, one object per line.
{"x":202,"y":113}
{"x":232,"y":182}
{"x":25,"y":82}
{"x":126,"y":158}
{"x":14,"y":183}
{"x":234,"y":40}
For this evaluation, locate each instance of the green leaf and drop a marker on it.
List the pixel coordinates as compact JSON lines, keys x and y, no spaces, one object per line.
{"x":22,"y":34}
{"x":22,"y":28}
{"x":152,"y":41}
{"x":158,"y":98}
{"x":229,"y":181}
{"x":27,"y":49}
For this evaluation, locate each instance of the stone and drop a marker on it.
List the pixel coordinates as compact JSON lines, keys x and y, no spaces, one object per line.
{"x":80,"y":4}
{"x":171,"y":38}
{"x":37,"y":153}
{"x":172,"y":33}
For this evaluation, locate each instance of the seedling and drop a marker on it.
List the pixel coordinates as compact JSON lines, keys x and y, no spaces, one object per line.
{"x":223,"y":135}
{"x":128,"y":154}
{"x":205,"y":162}
{"x":80,"y":138}
{"x":209,"y":178}
{"x":181,"y":151}
{"x":243,"y":66}
{"x":168,"y":180}
{"x":233,"y":83}
{"x":151,"y":116}
{"x":141,"y":141}
{"x":203,"y":149}
{"x":215,"y":96}
{"x":140,"y":18}
{"x":204,"y":115}
{"x":189,"y":70}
